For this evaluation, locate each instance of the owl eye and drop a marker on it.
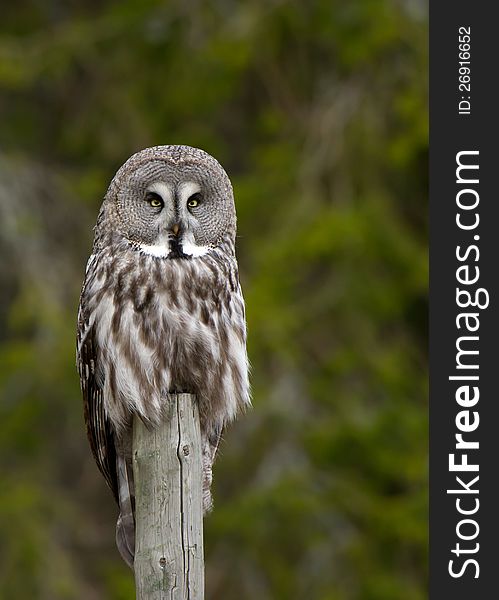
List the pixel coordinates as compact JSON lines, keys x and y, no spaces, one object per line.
{"x":194,"y":201}
{"x":155,"y":200}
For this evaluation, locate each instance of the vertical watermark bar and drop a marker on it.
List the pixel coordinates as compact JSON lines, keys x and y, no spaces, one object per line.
{"x":464,"y":308}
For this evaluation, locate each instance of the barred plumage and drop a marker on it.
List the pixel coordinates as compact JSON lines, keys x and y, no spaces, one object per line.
{"x":161,"y":311}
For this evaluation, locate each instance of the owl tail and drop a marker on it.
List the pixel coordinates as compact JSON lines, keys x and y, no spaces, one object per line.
{"x":125,"y":526}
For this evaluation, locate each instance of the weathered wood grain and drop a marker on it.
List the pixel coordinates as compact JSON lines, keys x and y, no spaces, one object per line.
{"x":167,"y":471}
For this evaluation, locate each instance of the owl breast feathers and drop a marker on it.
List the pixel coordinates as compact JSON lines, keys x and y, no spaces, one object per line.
{"x":161,"y":311}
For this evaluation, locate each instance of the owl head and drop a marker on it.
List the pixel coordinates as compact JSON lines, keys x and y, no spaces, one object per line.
{"x":169,"y":201}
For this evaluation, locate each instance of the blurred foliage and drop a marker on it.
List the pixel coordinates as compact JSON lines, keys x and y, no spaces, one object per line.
{"x":318,"y":112}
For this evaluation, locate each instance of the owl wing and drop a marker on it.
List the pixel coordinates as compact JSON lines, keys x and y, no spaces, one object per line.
{"x":99,"y":430}
{"x":112,"y":464}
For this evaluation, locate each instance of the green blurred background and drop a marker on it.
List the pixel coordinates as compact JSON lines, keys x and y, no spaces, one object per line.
{"x":318,"y":112}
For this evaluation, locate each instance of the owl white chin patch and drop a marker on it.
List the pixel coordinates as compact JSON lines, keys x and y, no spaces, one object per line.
{"x":194,"y":250}
{"x":162,"y":250}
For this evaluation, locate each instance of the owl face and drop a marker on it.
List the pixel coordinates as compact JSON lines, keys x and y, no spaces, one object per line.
{"x":173,"y":202}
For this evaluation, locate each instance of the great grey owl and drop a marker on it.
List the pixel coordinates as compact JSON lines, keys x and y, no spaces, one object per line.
{"x":161,"y":310}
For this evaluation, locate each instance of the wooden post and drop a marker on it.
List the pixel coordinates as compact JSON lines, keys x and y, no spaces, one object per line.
{"x":167,"y":469}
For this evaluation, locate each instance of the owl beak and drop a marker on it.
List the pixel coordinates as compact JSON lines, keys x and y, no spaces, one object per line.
{"x":175,"y":229}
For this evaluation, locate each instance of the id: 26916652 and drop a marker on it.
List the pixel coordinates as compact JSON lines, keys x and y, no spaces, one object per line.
{"x":464,"y":84}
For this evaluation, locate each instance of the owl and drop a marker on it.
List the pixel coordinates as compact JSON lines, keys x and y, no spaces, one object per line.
{"x":161,"y":311}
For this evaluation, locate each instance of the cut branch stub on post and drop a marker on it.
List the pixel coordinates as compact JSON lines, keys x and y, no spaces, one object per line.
{"x":167,"y":468}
